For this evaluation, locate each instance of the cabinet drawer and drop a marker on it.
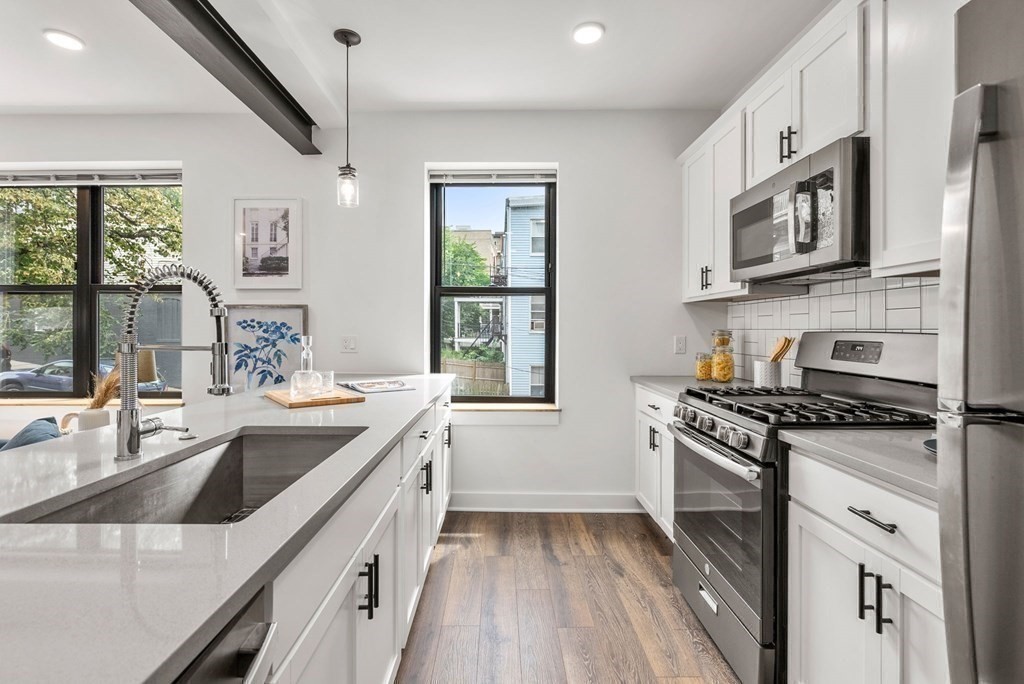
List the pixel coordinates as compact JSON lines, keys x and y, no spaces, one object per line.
{"x":654,"y":405}
{"x":302,"y":586}
{"x":830,"y":491}
{"x":443,"y":409}
{"x":417,"y":438}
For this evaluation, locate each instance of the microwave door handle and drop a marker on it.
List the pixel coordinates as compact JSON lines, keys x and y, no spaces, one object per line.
{"x":791,"y":219}
{"x":750,"y":473}
{"x":974,"y":120}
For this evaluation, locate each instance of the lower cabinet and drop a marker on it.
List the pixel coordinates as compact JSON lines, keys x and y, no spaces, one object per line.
{"x":654,"y":455}
{"x":356,"y":632}
{"x":856,"y":615}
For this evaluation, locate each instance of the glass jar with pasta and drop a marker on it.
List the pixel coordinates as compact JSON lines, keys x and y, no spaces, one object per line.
{"x":723,"y":367}
{"x":721,"y":338}
{"x":702,"y":367}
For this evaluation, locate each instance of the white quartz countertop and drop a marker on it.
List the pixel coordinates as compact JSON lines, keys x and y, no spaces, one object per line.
{"x":132,"y":603}
{"x":671,"y":385}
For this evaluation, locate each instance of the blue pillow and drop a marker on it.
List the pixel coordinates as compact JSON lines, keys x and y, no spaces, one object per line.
{"x":37,"y":431}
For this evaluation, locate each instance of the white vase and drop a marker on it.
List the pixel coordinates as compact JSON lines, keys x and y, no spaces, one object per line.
{"x":88,"y":419}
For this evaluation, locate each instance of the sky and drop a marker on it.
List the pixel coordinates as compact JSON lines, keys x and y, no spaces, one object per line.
{"x":481,"y":206}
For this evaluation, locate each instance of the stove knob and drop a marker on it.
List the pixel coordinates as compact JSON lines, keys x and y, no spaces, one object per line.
{"x":724,"y":432}
{"x":689,"y":415}
{"x":739,"y":440}
{"x":706,"y":423}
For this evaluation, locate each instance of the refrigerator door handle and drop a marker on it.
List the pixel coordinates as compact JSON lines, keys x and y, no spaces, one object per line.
{"x":974,"y":121}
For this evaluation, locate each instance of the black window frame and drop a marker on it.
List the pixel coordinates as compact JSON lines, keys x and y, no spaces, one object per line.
{"x":439,"y":291}
{"x":85,"y":292}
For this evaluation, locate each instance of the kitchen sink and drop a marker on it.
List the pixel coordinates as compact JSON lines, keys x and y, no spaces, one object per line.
{"x":222,"y":484}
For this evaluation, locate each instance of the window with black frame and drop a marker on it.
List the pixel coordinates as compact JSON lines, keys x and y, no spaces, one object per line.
{"x":493,"y":285}
{"x":68,"y":257}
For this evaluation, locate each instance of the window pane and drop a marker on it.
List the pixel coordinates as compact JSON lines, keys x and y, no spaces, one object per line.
{"x":159,"y":322}
{"x":141,"y":229}
{"x":537,"y":381}
{"x":35,"y":343}
{"x":488,"y":344}
{"x":38,"y":236}
{"x":537,"y":236}
{"x":488,"y":236}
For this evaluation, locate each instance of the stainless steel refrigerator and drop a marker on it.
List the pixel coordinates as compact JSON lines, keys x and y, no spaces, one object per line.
{"x":981,"y":350}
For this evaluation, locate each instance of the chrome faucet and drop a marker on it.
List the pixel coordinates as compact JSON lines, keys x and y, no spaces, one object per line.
{"x":130,"y":429}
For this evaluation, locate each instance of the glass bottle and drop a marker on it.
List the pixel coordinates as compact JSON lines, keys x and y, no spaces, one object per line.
{"x":702,"y":368}
{"x":306,"y":358}
{"x":723,"y":367}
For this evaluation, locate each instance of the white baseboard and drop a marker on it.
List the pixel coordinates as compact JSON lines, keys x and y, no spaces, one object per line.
{"x":543,"y":502}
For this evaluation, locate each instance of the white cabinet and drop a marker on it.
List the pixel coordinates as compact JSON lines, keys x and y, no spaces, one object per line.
{"x":711,"y":178}
{"x":859,"y":609}
{"x":654,"y":454}
{"x":377,"y":631}
{"x":413,"y":545}
{"x":769,"y":117}
{"x":912,"y":73}
{"x":817,"y":100}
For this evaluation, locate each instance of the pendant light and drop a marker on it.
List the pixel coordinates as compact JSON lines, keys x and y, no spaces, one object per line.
{"x":348,"y":181}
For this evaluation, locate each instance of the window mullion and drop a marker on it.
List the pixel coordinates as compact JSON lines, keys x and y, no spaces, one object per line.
{"x":81,"y":351}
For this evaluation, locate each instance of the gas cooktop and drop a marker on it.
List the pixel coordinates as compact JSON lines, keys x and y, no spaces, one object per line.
{"x":790,"y":406}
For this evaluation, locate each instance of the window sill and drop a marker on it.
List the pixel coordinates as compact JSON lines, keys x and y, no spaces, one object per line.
{"x":85,"y":402}
{"x":505,"y":414}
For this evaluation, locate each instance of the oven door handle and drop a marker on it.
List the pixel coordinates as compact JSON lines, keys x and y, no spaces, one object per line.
{"x":750,"y":473}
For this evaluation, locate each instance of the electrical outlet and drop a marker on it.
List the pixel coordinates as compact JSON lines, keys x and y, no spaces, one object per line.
{"x":679,"y":344}
{"x":349,"y":344}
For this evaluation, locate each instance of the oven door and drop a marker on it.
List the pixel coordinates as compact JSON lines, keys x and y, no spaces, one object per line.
{"x":725,"y":524}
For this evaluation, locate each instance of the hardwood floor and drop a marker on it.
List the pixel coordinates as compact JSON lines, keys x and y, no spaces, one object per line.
{"x":556,"y":597}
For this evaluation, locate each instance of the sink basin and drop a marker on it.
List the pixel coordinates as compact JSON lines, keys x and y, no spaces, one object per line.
{"x":223,"y":484}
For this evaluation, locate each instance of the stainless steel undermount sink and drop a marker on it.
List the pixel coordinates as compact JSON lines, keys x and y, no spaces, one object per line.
{"x":222,"y":484}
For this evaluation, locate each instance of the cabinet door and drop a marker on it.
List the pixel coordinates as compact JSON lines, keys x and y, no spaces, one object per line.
{"x":410,"y":551}
{"x":377,"y":638}
{"x":426,"y":522}
{"x":912,"y":90}
{"x":828,"y":641}
{"x":446,"y":453}
{"x":647,"y":466}
{"x":326,"y":650}
{"x":727,"y":182}
{"x":666,"y":464}
{"x":437,"y":477}
{"x":768,"y":115}
{"x":914,"y":644}
{"x":828,"y":88}
{"x":697,"y":221}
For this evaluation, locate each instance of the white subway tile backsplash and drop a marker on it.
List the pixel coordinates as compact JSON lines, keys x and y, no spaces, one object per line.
{"x":891,"y":304}
{"x":904,"y":298}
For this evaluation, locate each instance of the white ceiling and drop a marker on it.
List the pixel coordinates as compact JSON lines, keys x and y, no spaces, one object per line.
{"x":416,"y":54}
{"x":128,"y":65}
{"x":518,"y":54}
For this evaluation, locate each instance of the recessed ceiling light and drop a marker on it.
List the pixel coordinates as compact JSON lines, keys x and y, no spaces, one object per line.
{"x":588,"y":32}
{"x":64,"y":39}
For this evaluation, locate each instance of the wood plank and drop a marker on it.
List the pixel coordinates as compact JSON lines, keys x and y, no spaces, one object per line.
{"x":498,"y":660}
{"x":668,"y":650}
{"x":457,"y":649}
{"x":568,"y":594}
{"x":713,"y":668}
{"x":581,"y":540}
{"x":618,"y":642}
{"x":421,"y":648}
{"x":581,"y":655}
{"x":539,"y":652}
{"x":531,"y":569}
{"x":462,"y":606}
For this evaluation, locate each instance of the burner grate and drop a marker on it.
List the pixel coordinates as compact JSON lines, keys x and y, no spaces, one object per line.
{"x":845,"y":412}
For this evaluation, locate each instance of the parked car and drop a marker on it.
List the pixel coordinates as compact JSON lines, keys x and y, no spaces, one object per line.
{"x":58,"y":376}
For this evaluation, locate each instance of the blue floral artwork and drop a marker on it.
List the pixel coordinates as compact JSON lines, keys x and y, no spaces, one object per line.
{"x":263,"y":358}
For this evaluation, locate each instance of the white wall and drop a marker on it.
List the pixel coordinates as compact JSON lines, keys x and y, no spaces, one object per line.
{"x":619,"y":245}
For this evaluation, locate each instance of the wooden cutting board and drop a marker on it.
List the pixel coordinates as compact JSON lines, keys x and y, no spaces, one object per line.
{"x":338,"y":396}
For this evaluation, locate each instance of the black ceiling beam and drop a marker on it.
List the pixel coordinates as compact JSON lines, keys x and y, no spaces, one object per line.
{"x":203,"y":33}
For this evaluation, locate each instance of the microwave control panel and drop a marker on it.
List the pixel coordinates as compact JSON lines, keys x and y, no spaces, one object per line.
{"x":857,"y":352}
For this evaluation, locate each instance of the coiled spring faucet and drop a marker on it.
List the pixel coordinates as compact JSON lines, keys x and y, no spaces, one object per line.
{"x":130,"y":429}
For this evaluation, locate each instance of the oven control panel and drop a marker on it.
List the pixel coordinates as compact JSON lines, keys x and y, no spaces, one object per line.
{"x":857,"y":351}
{"x":722,"y":431}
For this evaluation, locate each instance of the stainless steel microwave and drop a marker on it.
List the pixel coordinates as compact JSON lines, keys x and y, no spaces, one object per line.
{"x":809,"y":218}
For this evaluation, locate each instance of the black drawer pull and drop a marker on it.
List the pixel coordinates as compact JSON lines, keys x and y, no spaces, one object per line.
{"x":879,"y":618}
{"x":371,"y":591}
{"x":656,"y":408}
{"x":861,"y":576}
{"x":865,"y":514}
{"x":782,"y":142}
{"x":790,"y":132}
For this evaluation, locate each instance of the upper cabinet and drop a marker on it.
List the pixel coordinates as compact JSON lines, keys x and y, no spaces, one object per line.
{"x":881,"y":68}
{"x":912,"y":74}
{"x":817,"y":100}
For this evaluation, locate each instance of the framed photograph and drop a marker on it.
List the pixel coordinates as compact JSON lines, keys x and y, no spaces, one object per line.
{"x":263,"y":343}
{"x":268,"y":244}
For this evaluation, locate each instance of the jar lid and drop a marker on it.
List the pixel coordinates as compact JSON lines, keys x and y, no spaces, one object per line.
{"x":723,"y":349}
{"x":721,"y":333}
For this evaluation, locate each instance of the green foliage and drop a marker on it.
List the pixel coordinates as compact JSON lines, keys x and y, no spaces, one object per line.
{"x":38,"y":246}
{"x":274,"y":264}
{"x":462,"y":265}
{"x":478,"y":353}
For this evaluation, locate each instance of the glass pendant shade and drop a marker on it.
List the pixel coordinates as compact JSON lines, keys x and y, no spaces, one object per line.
{"x":348,"y":187}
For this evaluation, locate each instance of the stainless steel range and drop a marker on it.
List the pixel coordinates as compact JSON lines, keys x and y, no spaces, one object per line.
{"x":730,"y":477}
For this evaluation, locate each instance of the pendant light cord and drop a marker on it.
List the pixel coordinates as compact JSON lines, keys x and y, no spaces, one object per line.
{"x":348,"y":122}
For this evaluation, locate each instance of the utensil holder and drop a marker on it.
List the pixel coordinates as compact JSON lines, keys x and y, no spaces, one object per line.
{"x":767,"y":374}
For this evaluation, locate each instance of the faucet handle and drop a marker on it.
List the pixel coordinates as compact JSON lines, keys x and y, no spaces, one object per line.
{"x":152,"y":426}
